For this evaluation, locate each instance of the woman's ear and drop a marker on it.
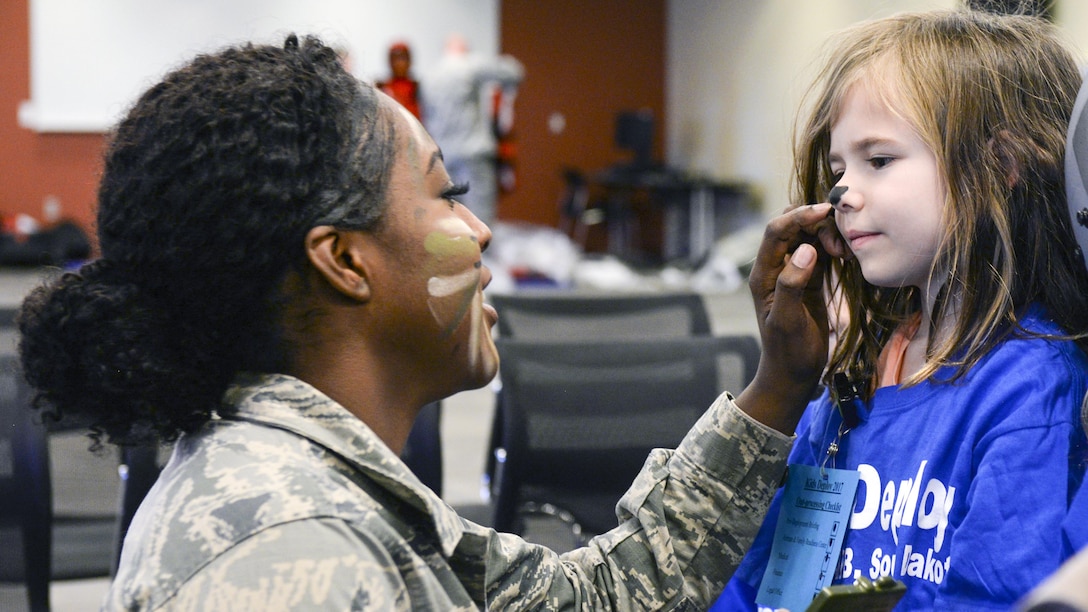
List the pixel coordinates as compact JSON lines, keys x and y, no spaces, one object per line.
{"x":337,"y":257}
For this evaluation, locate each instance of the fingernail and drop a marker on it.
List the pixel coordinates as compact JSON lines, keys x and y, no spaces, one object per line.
{"x":802,"y":257}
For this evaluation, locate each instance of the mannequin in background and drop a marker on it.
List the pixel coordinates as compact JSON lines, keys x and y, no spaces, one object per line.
{"x":457,"y":113}
{"x":401,"y":86}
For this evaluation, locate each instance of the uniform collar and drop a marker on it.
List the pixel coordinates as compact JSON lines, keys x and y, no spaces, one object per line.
{"x":287,"y":403}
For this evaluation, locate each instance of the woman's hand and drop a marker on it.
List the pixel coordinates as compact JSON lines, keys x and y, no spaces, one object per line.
{"x":791,"y":311}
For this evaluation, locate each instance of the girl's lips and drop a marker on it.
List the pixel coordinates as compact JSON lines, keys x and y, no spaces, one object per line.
{"x":859,"y":239}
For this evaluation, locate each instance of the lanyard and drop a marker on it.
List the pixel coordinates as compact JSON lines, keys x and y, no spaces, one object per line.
{"x":848,"y":411}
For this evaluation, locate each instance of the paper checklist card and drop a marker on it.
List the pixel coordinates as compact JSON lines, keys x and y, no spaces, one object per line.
{"x":816,"y":507}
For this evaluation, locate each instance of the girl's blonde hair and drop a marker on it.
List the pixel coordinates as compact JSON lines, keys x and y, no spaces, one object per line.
{"x":991,"y":95}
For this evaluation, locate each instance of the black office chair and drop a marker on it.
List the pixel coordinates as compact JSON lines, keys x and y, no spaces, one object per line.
{"x":139,"y":469}
{"x":39,"y":544}
{"x":571,"y":316}
{"x":579,"y":418}
{"x":551,"y":316}
{"x":26,"y":494}
{"x":423,"y":451}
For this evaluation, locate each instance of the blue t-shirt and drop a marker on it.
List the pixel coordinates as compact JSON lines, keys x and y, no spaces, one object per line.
{"x":964,"y":486}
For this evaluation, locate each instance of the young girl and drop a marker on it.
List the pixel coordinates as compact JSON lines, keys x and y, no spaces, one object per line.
{"x":965,"y":307}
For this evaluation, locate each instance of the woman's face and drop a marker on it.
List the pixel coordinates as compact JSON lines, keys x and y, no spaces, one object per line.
{"x":433,"y":275}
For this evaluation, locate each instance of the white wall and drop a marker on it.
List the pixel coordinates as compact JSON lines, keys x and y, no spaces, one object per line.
{"x":736,"y":70}
{"x":90,"y":59}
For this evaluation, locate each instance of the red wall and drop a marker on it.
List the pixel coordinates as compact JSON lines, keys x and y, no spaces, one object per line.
{"x":586,"y":61}
{"x":35,"y":166}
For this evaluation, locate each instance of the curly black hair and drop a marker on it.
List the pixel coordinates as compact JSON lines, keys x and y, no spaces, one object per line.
{"x":210,"y":185}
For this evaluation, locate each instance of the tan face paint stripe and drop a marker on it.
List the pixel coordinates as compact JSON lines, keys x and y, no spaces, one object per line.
{"x":474,"y":328}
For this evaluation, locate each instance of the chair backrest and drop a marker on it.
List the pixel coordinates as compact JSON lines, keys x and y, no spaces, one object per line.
{"x":423,"y":451}
{"x":564,"y":316}
{"x":26,"y":501}
{"x":139,"y":469}
{"x":579,"y":418}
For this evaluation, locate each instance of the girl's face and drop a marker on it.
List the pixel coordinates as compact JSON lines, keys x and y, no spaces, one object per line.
{"x":437,"y":322}
{"x":891,"y":215}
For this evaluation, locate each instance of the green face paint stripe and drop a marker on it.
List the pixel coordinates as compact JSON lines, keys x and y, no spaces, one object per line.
{"x":444,"y":245}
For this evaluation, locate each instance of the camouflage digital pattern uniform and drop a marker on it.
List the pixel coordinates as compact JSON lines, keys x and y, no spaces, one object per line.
{"x":288,"y":501}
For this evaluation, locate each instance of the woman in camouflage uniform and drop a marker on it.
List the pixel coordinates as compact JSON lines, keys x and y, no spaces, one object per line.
{"x":286,"y":279}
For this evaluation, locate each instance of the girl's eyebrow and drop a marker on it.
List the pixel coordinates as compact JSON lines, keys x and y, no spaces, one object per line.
{"x":863,"y":145}
{"x":868,"y":143}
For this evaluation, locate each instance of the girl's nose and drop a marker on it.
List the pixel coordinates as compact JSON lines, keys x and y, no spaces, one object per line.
{"x":836,"y":194}
{"x":843,"y":199}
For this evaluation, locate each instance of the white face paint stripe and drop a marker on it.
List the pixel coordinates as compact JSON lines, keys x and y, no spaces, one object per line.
{"x":441,"y":286}
{"x":474,"y":329}
{"x":456,"y":227}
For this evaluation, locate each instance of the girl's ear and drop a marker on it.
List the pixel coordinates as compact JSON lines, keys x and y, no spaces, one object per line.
{"x":337,"y":256}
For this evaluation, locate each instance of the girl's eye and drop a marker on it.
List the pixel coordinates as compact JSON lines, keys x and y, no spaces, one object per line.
{"x":879,"y":161}
{"x":451,"y":192}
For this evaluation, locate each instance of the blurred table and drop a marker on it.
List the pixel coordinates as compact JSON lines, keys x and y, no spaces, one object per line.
{"x":694,"y":210}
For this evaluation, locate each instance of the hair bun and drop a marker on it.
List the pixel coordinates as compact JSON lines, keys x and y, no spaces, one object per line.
{"x":101,"y":271}
{"x":94,"y":346}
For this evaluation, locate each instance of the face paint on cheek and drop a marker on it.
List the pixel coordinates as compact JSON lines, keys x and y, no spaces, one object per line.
{"x":474,"y":329}
{"x":486,"y":362}
{"x":451,"y":297}
{"x":456,"y":242}
{"x":454,"y":247}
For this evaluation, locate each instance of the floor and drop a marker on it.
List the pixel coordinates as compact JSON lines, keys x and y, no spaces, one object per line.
{"x":466,"y":421}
